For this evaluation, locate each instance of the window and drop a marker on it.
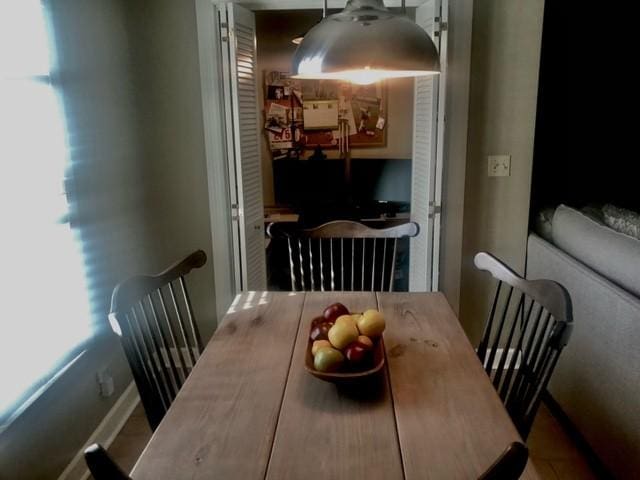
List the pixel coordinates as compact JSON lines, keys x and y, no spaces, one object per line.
{"x":45,"y":314}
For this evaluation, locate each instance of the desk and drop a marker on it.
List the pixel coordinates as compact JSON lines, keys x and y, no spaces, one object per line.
{"x":249,"y":410}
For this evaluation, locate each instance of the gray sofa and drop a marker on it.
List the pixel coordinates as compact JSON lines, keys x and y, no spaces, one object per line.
{"x":597,"y":380}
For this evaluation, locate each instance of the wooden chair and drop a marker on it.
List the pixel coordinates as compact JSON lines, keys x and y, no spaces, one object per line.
{"x":154,"y":318}
{"x":529,"y":324}
{"x":342,"y":255}
{"x":510,"y":465}
{"x":101,"y":466}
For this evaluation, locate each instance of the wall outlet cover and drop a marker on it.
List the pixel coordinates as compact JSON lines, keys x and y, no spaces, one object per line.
{"x":499,"y":165}
{"x":105,"y":382}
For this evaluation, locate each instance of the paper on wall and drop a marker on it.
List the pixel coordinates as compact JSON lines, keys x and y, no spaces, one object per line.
{"x":281,"y":140}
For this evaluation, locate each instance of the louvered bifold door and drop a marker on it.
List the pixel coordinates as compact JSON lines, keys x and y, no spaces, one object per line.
{"x":424,"y":175}
{"x":243,"y":140}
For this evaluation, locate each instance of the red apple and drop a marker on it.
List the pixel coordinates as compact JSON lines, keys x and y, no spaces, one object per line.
{"x":320,"y":331}
{"x":355,"y":352}
{"x":365,"y":342}
{"x":332,"y":312}
{"x":318,"y":320}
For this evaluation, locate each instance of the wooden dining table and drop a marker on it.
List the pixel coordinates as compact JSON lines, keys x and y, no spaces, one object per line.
{"x":250,"y":410}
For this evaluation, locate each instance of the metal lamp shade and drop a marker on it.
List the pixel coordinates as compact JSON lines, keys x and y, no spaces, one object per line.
{"x":365,"y":43}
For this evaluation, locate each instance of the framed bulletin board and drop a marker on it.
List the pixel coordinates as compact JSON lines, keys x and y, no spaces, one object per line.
{"x":315,"y":113}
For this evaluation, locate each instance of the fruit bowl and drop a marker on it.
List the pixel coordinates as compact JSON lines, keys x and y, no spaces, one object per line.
{"x":366,"y":368}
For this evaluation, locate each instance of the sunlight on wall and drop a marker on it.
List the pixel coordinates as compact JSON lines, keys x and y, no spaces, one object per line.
{"x":45,"y":307}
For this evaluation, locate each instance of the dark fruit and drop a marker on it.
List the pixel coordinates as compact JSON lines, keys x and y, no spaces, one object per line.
{"x":365,"y":341}
{"x":332,"y":312}
{"x":320,"y":331}
{"x":355,"y":352}
{"x":318,"y":320}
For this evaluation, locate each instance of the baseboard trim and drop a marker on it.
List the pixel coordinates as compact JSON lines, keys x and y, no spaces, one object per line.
{"x":105,"y":433}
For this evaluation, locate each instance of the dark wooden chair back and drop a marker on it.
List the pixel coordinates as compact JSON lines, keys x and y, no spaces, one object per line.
{"x":342,"y":255}
{"x":529,"y":324}
{"x":101,"y":466}
{"x":510,"y":465}
{"x":154,"y":318}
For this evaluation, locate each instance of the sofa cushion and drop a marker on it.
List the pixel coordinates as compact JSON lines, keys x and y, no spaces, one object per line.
{"x":614,"y":255}
{"x":622,"y":220}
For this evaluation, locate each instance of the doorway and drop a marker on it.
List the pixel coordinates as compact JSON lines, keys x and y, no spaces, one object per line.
{"x":396,"y":181}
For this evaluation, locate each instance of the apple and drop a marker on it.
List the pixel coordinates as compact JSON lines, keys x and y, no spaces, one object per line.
{"x":356,"y":317}
{"x":318,"y":320}
{"x":318,"y":344}
{"x":321,"y":331}
{"x":348,"y":319}
{"x":355,"y":352}
{"x":327,"y":359}
{"x":332,"y":312}
{"x":371,"y":323}
{"x":342,"y":334}
{"x":365,"y":341}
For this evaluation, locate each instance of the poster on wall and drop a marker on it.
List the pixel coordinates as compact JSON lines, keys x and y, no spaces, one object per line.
{"x":320,"y":115}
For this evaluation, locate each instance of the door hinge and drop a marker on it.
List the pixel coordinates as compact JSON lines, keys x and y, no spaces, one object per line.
{"x":224,"y":31}
{"x":235,"y":214}
{"x":439,"y":26}
{"x":434,"y":209}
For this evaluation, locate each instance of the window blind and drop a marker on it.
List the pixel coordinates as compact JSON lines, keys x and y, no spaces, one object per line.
{"x":45,"y":314}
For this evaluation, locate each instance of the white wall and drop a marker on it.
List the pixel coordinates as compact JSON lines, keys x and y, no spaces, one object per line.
{"x":504,"y":85}
{"x":164,"y":43}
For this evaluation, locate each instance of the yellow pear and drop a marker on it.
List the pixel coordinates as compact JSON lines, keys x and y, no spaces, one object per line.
{"x":318,"y":344}
{"x":371,"y":323}
{"x":345,"y":319}
{"x":342,"y":334}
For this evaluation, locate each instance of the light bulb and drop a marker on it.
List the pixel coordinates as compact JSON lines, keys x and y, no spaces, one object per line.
{"x":311,"y":69}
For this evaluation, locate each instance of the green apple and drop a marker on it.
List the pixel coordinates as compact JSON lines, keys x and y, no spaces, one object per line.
{"x":371,"y":323}
{"x":327,"y":359}
{"x":318,"y":344}
{"x":342,"y":334}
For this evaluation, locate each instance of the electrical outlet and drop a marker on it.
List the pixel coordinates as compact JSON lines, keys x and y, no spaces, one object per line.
{"x":499,"y":165}
{"x":105,"y":382}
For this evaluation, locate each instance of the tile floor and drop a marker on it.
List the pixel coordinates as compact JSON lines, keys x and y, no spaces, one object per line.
{"x":553,"y":452}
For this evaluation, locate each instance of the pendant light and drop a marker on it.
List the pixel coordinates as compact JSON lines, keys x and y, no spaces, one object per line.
{"x":363,"y":44}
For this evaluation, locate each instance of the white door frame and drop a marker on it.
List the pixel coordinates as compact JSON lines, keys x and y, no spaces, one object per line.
{"x":456,"y":88}
{"x":211,"y":87}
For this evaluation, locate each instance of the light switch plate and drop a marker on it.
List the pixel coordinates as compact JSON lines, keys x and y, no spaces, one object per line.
{"x":499,"y":165}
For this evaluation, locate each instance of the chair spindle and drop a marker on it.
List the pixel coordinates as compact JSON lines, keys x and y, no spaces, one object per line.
{"x":175,"y":378}
{"x":172,"y":334}
{"x":368,"y":256}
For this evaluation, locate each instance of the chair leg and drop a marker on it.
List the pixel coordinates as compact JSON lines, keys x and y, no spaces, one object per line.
{"x":510,"y":465}
{"x":101,"y":466}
